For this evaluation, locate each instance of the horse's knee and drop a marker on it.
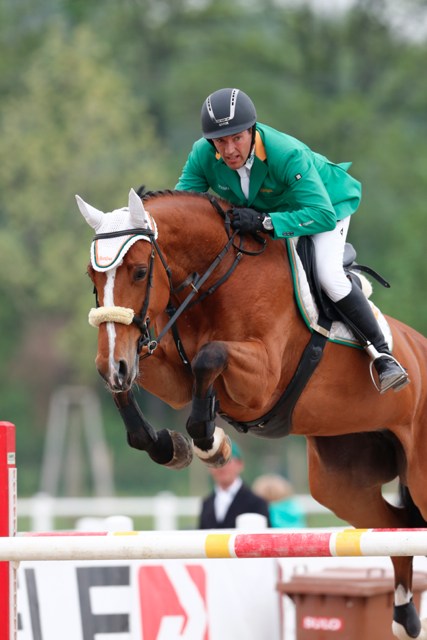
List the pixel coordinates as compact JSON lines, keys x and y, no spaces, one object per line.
{"x":211,"y":358}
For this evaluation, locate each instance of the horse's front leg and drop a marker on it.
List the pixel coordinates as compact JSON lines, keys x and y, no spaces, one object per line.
{"x":246,"y":376}
{"x":169,"y":448}
{"x":211,"y":444}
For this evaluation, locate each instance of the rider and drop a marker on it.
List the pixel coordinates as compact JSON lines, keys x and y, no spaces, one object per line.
{"x":281,"y":187}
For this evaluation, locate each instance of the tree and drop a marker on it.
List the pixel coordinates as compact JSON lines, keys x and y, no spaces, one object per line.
{"x":75,"y":127}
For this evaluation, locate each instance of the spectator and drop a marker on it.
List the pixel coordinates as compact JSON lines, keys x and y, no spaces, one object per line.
{"x":284,"y":508}
{"x":231,"y":496}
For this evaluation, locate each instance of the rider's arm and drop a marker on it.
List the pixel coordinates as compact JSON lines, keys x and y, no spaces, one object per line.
{"x":309,"y":209}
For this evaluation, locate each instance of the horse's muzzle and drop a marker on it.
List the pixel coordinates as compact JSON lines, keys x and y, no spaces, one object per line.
{"x":119,"y":376}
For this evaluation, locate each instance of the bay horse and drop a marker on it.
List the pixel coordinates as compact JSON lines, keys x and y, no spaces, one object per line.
{"x":197,"y":315}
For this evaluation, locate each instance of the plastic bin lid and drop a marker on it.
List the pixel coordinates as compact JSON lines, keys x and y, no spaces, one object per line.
{"x":343,"y":581}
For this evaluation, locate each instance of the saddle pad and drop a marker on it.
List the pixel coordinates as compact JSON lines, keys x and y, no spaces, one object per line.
{"x":339,"y":331}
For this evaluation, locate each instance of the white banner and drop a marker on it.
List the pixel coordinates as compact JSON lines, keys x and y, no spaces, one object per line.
{"x":149,"y":600}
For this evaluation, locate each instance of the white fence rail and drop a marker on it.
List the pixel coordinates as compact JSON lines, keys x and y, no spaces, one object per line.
{"x":165,"y":509}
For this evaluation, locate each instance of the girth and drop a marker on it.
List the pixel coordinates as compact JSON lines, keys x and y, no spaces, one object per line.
{"x":277,"y":423}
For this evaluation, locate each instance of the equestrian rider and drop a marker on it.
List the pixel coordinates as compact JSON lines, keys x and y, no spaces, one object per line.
{"x":281,"y":187}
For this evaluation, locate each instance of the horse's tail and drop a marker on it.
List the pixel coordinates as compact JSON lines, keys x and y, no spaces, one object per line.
{"x":415,"y":518}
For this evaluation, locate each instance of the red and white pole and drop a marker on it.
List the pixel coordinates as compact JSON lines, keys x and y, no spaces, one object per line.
{"x":8,"y":493}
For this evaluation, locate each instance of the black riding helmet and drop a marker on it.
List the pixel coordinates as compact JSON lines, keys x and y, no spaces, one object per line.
{"x":226,"y":112}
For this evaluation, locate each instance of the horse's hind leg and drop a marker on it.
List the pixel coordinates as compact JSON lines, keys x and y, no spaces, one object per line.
{"x":406,"y":622}
{"x":211,"y":444}
{"x":346,"y":475}
{"x":169,"y":448}
{"x":406,"y":625}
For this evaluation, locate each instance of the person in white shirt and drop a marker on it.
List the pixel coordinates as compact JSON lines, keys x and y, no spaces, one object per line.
{"x":231,"y":496}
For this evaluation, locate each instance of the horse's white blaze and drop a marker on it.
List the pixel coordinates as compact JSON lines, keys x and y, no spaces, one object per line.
{"x":111,"y":329}
{"x":402,"y":595}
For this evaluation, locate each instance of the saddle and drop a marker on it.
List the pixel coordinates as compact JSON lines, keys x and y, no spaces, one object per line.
{"x":305,"y":249}
{"x":325,"y":323}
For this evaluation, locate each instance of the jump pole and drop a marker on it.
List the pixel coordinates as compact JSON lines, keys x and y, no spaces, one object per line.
{"x":166,"y":545}
{"x":8,"y":605}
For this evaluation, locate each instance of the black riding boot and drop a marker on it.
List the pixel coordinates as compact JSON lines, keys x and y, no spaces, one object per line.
{"x":357,"y":310}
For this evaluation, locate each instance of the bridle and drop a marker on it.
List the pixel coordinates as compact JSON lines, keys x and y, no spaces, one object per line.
{"x":194,"y":281}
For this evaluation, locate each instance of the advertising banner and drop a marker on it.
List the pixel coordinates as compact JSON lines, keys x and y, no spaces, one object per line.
{"x":149,"y":600}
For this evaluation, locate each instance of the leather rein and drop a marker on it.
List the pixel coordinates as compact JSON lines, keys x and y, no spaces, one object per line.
{"x":193,"y":280}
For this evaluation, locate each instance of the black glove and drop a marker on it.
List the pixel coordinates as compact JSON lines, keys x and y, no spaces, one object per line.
{"x":247,"y":220}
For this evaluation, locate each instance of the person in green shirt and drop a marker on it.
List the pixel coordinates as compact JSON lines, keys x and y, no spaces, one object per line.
{"x":279,"y":186}
{"x":284,"y":507}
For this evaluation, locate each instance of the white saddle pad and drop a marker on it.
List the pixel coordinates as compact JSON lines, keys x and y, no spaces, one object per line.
{"x":339,"y":331}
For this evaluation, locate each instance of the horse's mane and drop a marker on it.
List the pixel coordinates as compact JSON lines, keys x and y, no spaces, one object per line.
{"x":149,"y":195}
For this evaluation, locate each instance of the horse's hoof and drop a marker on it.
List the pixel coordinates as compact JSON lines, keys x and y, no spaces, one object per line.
{"x":220,"y":452}
{"x":182,"y":451}
{"x":399,"y":631}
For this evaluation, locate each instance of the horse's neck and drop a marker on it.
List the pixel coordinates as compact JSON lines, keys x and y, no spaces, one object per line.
{"x":190,"y":239}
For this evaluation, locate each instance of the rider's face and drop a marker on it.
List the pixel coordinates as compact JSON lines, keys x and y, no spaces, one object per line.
{"x":234,"y":150}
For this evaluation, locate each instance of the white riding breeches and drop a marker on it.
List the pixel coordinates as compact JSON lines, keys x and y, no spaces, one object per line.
{"x":329,"y":248}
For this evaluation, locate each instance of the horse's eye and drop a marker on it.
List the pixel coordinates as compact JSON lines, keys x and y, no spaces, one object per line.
{"x":139,"y":273}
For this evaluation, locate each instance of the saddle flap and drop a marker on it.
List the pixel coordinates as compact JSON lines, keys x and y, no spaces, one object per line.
{"x":310,"y":298}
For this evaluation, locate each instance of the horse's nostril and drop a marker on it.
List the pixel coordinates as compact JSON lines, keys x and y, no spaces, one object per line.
{"x":120,"y":378}
{"x":123,"y":369}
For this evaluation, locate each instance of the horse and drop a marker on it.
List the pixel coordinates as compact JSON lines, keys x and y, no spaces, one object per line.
{"x":200,"y":316}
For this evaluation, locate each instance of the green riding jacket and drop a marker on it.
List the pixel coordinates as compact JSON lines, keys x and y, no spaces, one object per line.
{"x":302,"y":191}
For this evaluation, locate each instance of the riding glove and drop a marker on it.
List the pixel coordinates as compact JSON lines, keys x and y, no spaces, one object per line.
{"x":247,"y":220}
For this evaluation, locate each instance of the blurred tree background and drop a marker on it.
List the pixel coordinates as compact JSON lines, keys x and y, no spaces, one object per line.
{"x":100,"y":96}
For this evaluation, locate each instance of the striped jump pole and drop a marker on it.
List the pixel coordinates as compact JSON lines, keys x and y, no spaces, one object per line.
{"x":166,"y":545}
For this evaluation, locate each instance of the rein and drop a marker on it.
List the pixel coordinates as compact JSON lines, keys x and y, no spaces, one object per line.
{"x":194,"y":280}
{"x":196,"y":283}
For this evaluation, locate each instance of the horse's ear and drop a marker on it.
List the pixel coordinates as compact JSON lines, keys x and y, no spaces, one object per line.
{"x":136,"y":209}
{"x":93,"y":216}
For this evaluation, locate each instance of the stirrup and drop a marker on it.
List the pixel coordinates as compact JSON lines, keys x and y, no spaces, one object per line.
{"x":396,"y":384}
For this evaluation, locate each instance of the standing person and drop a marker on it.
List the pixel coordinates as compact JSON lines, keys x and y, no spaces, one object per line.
{"x":284,"y":507}
{"x":231,"y":496}
{"x":281,"y":187}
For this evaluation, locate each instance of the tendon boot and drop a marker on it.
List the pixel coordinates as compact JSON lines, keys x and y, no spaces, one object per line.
{"x":357,"y":311}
